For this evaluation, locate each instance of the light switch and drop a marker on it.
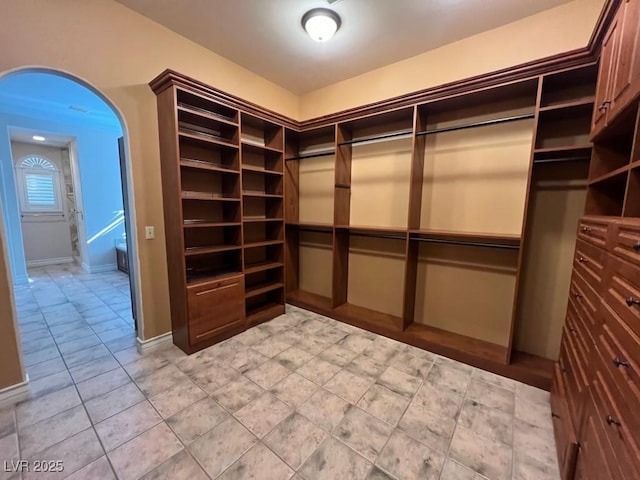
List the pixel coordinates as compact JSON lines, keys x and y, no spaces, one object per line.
{"x":150,"y":232}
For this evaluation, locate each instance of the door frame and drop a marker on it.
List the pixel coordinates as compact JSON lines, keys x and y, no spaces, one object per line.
{"x":72,"y":148}
{"x":130,"y":209}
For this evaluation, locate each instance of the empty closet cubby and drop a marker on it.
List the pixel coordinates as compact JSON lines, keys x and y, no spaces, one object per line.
{"x":204,"y":212}
{"x":476,"y":162}
{"x":556,"y":202}
{"x":262,"y":208}
{"x":211,"y":239}
{"x":569,"y":87}
{"x":376,"y":274}
{"x":373,"y":167}
{"x":203,"y":184}
{"x":202,"y":268}
{"x":196,"y":153}
{"x":261,"y":133}
{"x":315,"y":250}
{"x":606,"y":196}
{"x":632,"y":202}
{"x":466,"y":290}
{"x":261,"y":160}
{"x":258,"y":232}
{"x":263,"y":258}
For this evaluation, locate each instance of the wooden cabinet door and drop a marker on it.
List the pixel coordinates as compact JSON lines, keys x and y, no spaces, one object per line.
{"x":215,"y":307}
{"x":607,"y":60}
{"x":626,"y":70}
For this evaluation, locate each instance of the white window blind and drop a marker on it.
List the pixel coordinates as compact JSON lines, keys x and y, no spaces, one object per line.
{"x":39,"y":186}
{"x":40,"y":190}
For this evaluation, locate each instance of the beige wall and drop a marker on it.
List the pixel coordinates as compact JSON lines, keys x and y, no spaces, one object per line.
{"x":119,"y":51}
{"x":554,"y":31}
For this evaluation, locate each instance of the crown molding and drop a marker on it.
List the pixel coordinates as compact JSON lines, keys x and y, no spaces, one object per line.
{"x":575,"y":58}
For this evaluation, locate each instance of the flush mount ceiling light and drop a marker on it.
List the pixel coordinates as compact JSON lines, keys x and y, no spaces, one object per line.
{"x":38,"y":138}
{"x":321,"y":23}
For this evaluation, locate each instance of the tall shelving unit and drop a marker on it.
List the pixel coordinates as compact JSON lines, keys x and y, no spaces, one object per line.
{"x":223,"y":194}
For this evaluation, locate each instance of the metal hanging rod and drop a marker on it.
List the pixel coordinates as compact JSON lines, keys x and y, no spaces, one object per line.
{"x":476,"y":124}
{"x":468,"y":244}
{"x":311,"y":155}
{"x":314,"y":229}
{"x":562,"y":159}
{"x":378,"y":235}
{"x":377,"y":137}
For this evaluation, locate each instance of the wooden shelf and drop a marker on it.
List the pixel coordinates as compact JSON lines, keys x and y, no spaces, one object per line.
{"x":264,"y":312}
{"x":261,"y":288}
{"x":262,"y":195}
{"x":200,"y":279}
{"x":261,"y":267}
{"x":201,"y":112}
{"x":206,"y":138}
{"x":308,"y":300}
{"x":213,"y":249}
{"x":207,"y":196}
{"x":565,"y":149}
{"x":266,"y":243}
{"x":578,"y":103}
{"x":316,"y":226}
{"x":252,"y":168}
{"x":610,"y":175}
{"x":352,"y":313}
{"x":512,"y":239}
{"x":261,"y":220}
{"x":258,"y":147}
{"x":203,"y":165}
{"x":212,"y":224}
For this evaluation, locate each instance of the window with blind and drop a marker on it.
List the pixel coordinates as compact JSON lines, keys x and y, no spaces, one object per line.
{"x":38,"y":182}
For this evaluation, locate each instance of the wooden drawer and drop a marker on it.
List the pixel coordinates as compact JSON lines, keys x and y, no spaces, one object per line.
{"x":625,"y":240}
{"x":215,"y":307}
{"x":574,"y":377}
{"x":618,"y":352}
{"x":585,"y":299}
{"x":566,"y":440}
{"x":615,"y":425}
{"x":595,"y":461}
{"x":589,"y":262}
{"x":583,"y":323}
{"x":593,"y":231}
{"x":623,"y":291}
{"x":582,"y":340}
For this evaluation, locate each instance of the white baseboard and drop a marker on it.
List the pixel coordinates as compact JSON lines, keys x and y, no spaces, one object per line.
{"x":15,"y":393}
{"x":49,"y":261}
{"x":154,"y":343}
{"x":99,"y":268}
{"x":21,"y":279}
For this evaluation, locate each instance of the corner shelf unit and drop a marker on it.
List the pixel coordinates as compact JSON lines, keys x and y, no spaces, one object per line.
{"x":222,"y":173}
{"x":410,"y":254}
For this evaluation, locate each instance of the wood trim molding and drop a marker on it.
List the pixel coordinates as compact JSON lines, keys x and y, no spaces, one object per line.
{"x":573,"y":58}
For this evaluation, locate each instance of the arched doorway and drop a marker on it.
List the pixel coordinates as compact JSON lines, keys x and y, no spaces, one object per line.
{"x":38,"y":196}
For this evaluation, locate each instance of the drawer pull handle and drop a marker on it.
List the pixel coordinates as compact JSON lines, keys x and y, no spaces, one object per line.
{"x":583,"y":260}
{"x":586,"y":229}
{"x":577,"y":295}
{"x":632,"y":301}
{"x":620,"y":363}
{"x":613,"y":421}
{"x":554,"y":415}
{"x":636,"y":247}
{"x":572,"y":330}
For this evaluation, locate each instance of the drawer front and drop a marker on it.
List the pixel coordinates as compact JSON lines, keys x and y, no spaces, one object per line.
{"x":589,"y":262}
{"x":215,"y":307}
{"x":585,"y":300}
{"x":626,"y":242}
{"x":617,"y":429}
{"x":581,"y":340}
{"x":596,"y":460}
{"x":574,"y":378}
{"x":593,"y":231}
{"x":583,"y":323}
{"x":566,"y":441}
{"x":623,"y":291}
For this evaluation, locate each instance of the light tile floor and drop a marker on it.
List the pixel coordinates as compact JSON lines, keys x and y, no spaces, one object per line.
{"x":302,"y":397}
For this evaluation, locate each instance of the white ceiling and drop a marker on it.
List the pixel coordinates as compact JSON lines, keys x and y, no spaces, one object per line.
{"x":266,"y":36}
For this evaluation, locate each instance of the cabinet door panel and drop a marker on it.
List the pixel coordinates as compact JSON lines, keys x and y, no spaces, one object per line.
{"x":607,"y":61}
{"x":214,"y":307}
{"x":626,"y":69}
